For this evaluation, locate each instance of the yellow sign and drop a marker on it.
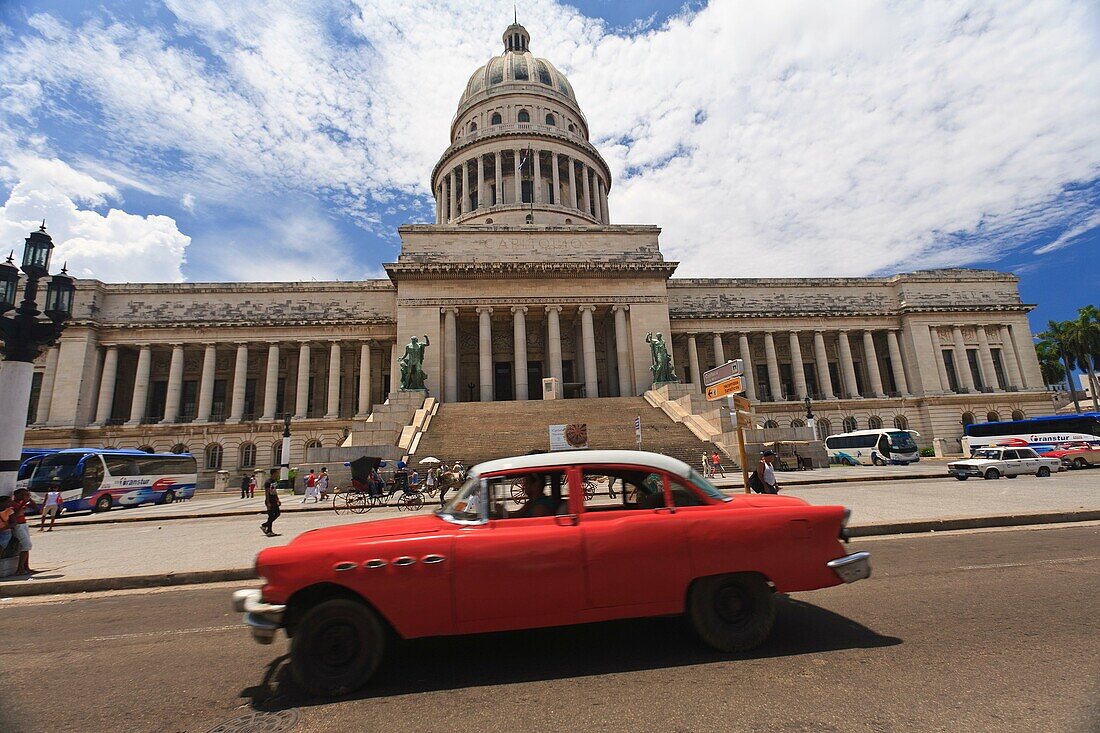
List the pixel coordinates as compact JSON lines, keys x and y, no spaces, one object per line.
{"x":728,"y":387}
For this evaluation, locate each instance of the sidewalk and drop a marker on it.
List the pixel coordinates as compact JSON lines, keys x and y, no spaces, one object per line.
{"x":103,"y":556}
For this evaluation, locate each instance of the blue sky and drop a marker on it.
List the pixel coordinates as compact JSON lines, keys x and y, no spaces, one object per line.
{"x":263,"y":140}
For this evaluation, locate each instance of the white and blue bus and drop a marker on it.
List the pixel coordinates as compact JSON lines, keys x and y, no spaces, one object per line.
{"x":1039,"y":433}
{"x":99,"y":479}
{"x":877,"y":447}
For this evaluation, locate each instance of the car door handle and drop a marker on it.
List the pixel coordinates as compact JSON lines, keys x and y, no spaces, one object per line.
{"x":375,"y":564}
{"x":432,"y":559}
{"x":404,"y":561}
{"x":342,"y":566}
{"x":665,"y":510}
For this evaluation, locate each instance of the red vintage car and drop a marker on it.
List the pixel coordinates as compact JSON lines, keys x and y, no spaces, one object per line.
{"x":546,"y":540}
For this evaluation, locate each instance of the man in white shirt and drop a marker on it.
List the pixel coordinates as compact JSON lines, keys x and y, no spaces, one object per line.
{"x":51,"y":507}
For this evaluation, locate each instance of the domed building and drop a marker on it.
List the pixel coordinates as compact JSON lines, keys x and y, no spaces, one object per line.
{"x":524,"y":290}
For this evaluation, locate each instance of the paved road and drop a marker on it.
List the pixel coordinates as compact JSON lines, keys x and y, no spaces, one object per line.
{"x":979,"y":631}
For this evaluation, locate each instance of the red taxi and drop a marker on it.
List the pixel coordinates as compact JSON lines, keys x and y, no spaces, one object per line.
{"x":594,"y":535}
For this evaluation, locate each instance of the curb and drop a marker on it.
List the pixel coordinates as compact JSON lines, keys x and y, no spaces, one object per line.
{"x":158,"y":580}
{"x":844,"y":480}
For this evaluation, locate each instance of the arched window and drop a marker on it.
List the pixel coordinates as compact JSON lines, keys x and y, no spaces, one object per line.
{"x":901,"y":422}
{"x":213,"y":457}
{"x":248,"y":455}
{"x":529,"y":219}
{"x":277,"y":453}
{"x":473,"y":127}
{"x":1018,"y":415}
{"x":550,"y":120}
{"x":992,"y":416}
{"x":874,"y":423}
{"x":771,"y":424}
{"x":572,"y":128}
{"x":180,"y":449}
{"x":495,"y":119}
{"x":797,"y":423}
{"x":968,"y":418}
{"x":823,"y":427}
{"x":146,"y":449}
{"x":489,"y":220}
{"x":314,"y":443}
{"x":850,"y":424}
{"x":524,"y":116}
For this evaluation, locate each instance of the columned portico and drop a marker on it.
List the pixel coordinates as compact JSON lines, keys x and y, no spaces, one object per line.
{"x":206,"y":386}
{"x":746,"y":357}
{"x":821,"y":362}
{"x":271,"y":382}
{"x":847,"y":366}
{"x":798,"y":370}
{"x":363,"y":408}
{"x":896,"y":365}
{"x":553,"y":341}
{"x":622,"y":351}
{"x":332,"y":410}
{"x":175,"y":385}
{"x":301,"y":396}
{"x":107,"y":386}
{"x":775,"y":383}
{"x":141,"y":385}
{"x":450,"y":355}
{"x":693,"y":362}
{"x":588,"y":336}
{"x":870,"y":359}
{"x":519,"y":336}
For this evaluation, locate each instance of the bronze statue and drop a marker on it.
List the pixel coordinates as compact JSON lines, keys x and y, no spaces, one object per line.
{"x":412,"y":373}
{"x":661,"y":366}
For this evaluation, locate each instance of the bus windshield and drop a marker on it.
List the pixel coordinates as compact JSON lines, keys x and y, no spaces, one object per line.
{"x":59,"y":469}
{"x":901,"y":441}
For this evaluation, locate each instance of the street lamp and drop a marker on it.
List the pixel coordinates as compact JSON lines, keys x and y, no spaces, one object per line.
{"x":810,"y":422}
{"x":284,"y":458}
{"x":25,"y":335}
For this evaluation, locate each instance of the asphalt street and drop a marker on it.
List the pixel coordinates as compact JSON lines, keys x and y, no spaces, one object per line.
{"x":974,"y":631}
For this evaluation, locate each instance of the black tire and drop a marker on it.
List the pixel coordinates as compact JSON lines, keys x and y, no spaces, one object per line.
{"x":992,"y":475}
{"x":103,"y":504}
{"x":336,"y":648}
{"x":169,"y":497}
{"x":732,"y":613}
{"x":1043,"y":472}
{"x":962,"y":478}
{"x":1012,"y":475}
{"x":1080,"y":463}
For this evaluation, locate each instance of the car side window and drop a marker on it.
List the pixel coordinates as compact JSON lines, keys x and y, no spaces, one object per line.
{"x":1010,"y":454}
{"x":683,"y":494}
{"x":528,"y":494}
{"x":1027,"y":453}
{"x":617,"y":489}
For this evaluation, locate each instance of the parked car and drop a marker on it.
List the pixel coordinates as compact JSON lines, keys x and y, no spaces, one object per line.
{"x":992,"y":463}
{"x":660,"y":541}
{"x":1077,"y":455}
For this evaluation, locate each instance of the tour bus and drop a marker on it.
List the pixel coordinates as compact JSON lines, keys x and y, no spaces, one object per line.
{"x":1040,"y":433}
{"x":878,"y":447}
{"x":28,"y":462}
{"x":99,"y":479}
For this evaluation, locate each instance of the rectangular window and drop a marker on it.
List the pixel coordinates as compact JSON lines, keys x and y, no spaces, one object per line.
{"x":36,"y":394}
{"x":975,"y":369}
{"x":763,"y":386}
{"x":810,"y":372}
{"x":891,"y":385}
{"x":189,"y":400}
{"x":858,"y":367}
{"x":567,"y":371}
{"x":834,"y":378}
{"x":949,"y":367}
{"x":786,"y":378}
{"x":250,"y":399}
{"x":527,"y":192}
{"x":493,"y":194}
{"x":999,"y":368}
{"x":310,"y":392}
{"x":473,"y":201}
{"x":217,"y":410}
{"x":280,"y":397}
{"x":158,"y":395}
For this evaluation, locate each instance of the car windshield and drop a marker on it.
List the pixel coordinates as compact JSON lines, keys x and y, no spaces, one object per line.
{"x":705,"y":486}
{"x":901,"y":440}
{"x":467,"y":503}
{"x":987,"y":453}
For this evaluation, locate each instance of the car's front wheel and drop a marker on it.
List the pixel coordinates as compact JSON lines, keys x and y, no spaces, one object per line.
{"x":992,"y":474}
{"x":732,"y":613}
{"x":1043,"y":472}
{"x":961,"y":477}
{"x":1080,"y":463}
{"x":337,"y":647}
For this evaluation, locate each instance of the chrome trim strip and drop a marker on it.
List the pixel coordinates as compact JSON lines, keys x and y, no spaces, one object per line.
{"x":375,"y":564}
{"x":404,"y":561}
{"x":851,"y":568}
{"x":432,"y":559}
{"x":346,"y":565}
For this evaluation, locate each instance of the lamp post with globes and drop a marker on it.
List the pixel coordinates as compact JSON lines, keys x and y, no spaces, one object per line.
{"x":26,"y":333}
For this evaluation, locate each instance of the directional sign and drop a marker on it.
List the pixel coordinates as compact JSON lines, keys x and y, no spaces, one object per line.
{"x":742,"y":403}
{"x":723,"y":372}
{"x":745,"y":419}
{"x":638,"y":429}
{"x":720,"y":390}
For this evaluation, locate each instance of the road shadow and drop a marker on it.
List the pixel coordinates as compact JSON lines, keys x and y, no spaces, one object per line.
{"x":451,"y":663}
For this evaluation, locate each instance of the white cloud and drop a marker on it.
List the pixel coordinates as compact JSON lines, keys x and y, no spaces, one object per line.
{"x":769,"y":137}
{"x":188,"y":203}
{"x":1067,"y":237}
{"x":114,"y":247}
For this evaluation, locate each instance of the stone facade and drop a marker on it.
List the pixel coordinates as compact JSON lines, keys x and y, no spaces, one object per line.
{"x":522,"y":276}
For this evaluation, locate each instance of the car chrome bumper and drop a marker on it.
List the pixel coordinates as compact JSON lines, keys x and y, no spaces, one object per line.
{"x":264,"y":619}
{"x":851,"y":568}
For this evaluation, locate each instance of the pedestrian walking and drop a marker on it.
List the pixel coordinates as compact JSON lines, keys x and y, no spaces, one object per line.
{"x":706,"y":466}
{"x":22,"y":502}
{"x":252,"y":487}
{"x":311,"y":487}
{"x":322,"y":484}
{"x":272,"y":502}
{"x":430,"y":479}
{"x":6,"y":512}
{"x":716,"y":465}
{"x":51,"y":507}
{"x":244,"y":485}
{"x":766,"y":482}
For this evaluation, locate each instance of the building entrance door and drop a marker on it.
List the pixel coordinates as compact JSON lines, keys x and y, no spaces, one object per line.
{"x":534,"y":380}
{"x":502,"y":381}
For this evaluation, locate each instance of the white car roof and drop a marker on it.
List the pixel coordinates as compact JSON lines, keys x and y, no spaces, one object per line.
{"x":574,"y":457}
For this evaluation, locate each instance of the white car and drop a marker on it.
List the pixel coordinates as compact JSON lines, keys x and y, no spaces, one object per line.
{"x":991,"y":463}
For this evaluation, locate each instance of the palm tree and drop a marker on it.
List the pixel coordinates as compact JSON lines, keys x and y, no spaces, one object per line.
{"x":1086,"y":332}
{"x":1050,"y":363}
{"x":1058,"y":339}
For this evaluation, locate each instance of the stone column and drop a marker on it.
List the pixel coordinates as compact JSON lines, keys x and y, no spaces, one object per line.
{"x":746,"y":357}
{"x":271,"y":382}
{"x":518,"y":181}
{"x":332,"y":410}
{"x":941,"y":368}
{"x":896,"y":366}
{"x":871,"y":360}
{"x":585,"y":190}
{"x":395,"y":367}
{"x":141,"y":385}
{"x":555,"y":178}
{"x":240,"y":377}
{"x":553,"y":340}
{"x":622,"y":351}
{"x":821,"y":359}
{"x":485,"y":351}
{"x":536,"y":183}
{"x":588,"y":336}
{"x":498,"y":180}
{"x":107,"y":386}
{"x":578,"y":348}
{"x":572,"y":183}
{"x":1008,"y":356}
{"x":847,"y":366}
{"x":798,"y":370}
{"x":962,"y":363}
{"x":175,"y":386}
{"x":439,"y":203}
{"x":45,"y":394}
{"x":693,"y":362}
{"x":519,"y":344}
{"x":719,"y":350}
{"x":363,"y":408}
{"x":481,"y":203}
{"x":450,"y":355}
{"x":774,"y":381}
{"x":301,"y":394}
{"x":206,"y":384}
{"x":597,"y":184}
{"x":985,"y":361}
{"x":603,"y":204}
{"x":451,"y":184}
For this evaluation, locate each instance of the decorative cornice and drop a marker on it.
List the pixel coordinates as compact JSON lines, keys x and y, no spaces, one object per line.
{"x":505,"y":270}
{"x":840,"y":312}
{"x":482,"y":303}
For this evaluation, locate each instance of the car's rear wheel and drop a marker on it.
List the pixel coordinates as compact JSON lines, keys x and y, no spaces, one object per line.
{"x":336,"y":648}
{"x":992,"y":474}
{"x":732,"y":613}
{"x":962,"y":478}
{"x":1011,"y":475}
{"x":1080,"y":463}
{"x":1043,"y":472}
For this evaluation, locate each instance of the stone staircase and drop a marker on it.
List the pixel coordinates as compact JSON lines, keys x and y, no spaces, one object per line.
{"x":479,"y":431}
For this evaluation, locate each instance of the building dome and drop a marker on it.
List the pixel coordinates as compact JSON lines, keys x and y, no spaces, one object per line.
{"x":517,"y":66}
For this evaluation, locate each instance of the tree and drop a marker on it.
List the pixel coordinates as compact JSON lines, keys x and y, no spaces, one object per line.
{"x":1086,"y":331}
{"x":1050,"y":363}
{"x":1058,"y":338}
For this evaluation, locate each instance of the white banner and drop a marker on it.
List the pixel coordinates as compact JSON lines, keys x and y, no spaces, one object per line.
{"x":569,"y":437}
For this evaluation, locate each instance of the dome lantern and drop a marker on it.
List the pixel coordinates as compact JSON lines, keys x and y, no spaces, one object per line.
{"x":516,"y":38}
